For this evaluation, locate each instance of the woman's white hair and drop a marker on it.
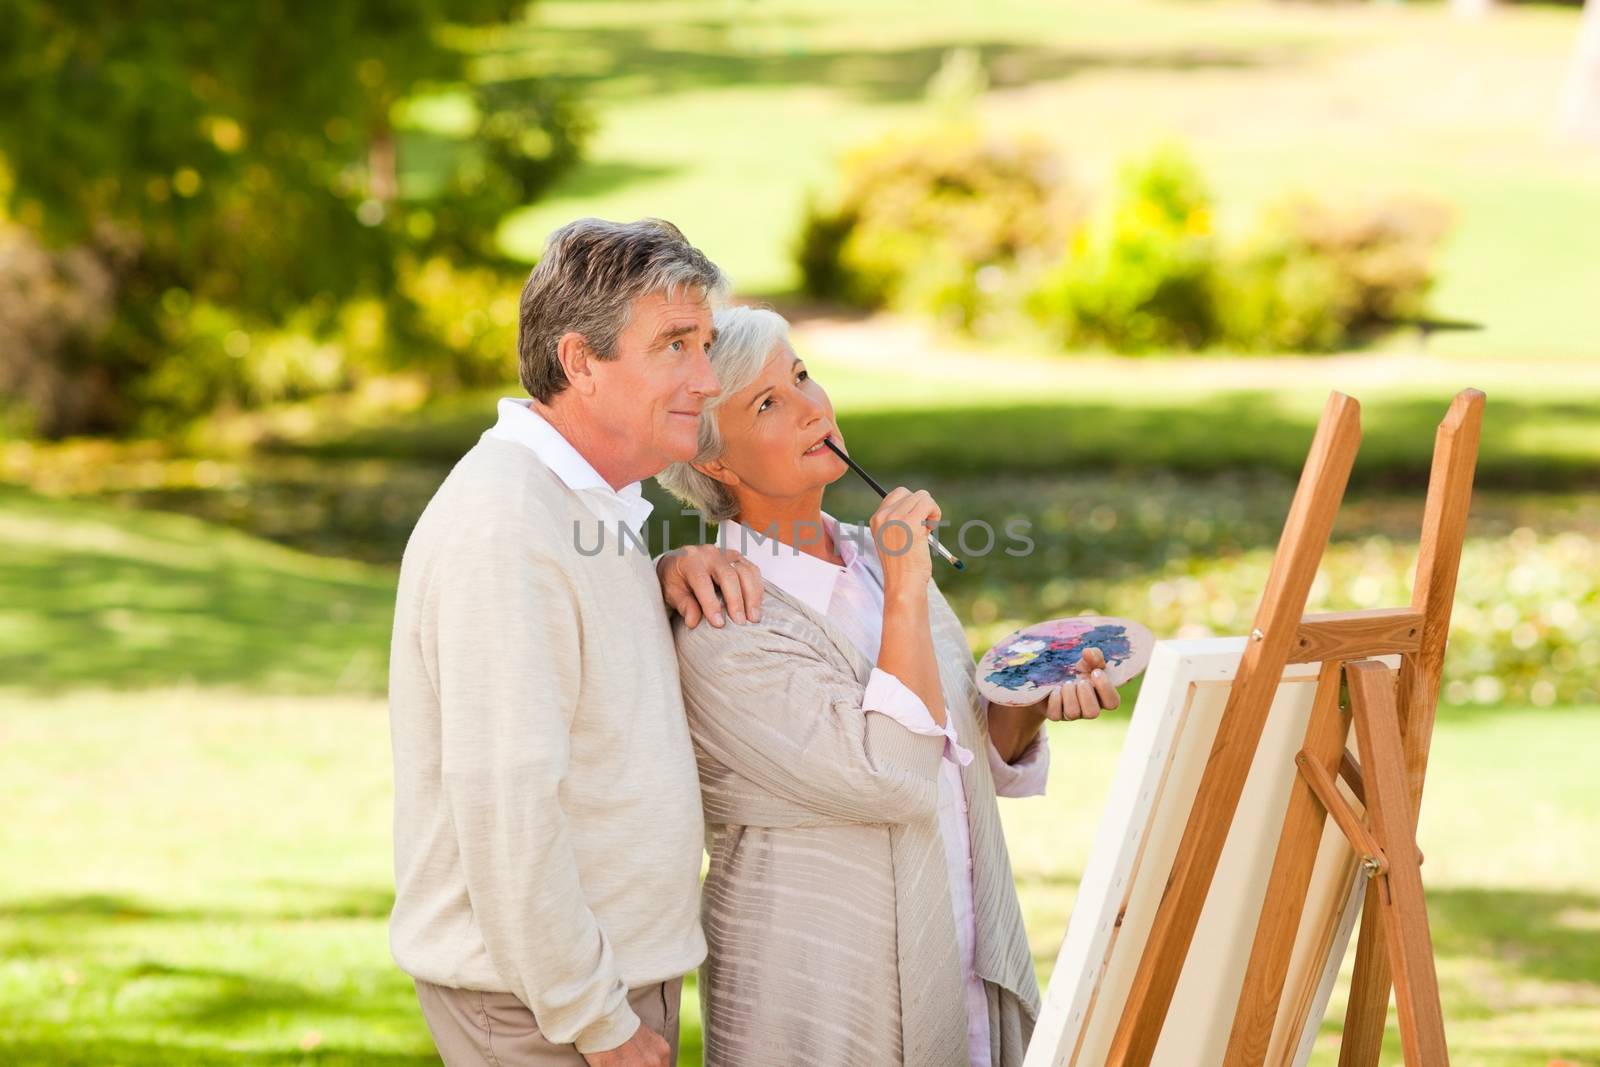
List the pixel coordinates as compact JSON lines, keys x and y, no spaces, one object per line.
{"x":745,"y":339}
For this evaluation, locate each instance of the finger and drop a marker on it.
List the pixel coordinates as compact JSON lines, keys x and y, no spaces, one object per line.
{"x":1052,"y":705}
{"x":918,"y":507}
{"x":727,"y":576}
{"x":689,"y":608}
{"x":1070,"y":711}
{"x":750,"y":581}
{"x":1088,"y":702}
{"x":1109,"y":697}
{"x":896,"y":536}
{"x":892,"y":499}
{"x":1091,"y":660}
{"x":705,"y":590}
{"x":887,"y":508}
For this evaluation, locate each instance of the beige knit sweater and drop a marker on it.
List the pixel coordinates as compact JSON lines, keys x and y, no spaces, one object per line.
{"x":827,"y":903}
{"x":547,"y":816}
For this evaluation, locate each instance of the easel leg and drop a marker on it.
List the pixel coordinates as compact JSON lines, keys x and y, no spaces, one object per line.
{"x":1401,"y":907}
{"x":1292,"y":868}
{"x":1368,"y":1010}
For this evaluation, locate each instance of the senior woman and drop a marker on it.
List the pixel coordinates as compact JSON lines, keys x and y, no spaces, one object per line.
{"x":859,"y":907}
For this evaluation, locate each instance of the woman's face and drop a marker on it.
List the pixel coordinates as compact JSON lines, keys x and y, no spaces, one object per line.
{"x":772,"y":431}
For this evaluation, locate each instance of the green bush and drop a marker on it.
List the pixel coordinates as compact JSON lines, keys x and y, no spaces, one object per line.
{"x":938,"y":222}
{"x":1320,"y":276}
{"x":1144,"y":276}
{"x":467,"y":322}
{"x":1317,"y":276}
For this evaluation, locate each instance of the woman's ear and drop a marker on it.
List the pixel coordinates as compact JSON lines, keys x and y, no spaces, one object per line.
{"x":717,"y":471}
{"x":573,"y":352}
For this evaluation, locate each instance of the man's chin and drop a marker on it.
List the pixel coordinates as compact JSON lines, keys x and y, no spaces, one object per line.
{"x":681,"y":452}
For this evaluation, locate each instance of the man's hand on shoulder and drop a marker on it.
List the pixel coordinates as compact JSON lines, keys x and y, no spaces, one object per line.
{"x":645,"y":1048}
{"x":698,"y":580}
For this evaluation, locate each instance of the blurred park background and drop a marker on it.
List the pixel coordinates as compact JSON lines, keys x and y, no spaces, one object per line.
{"x":1093,"y":264}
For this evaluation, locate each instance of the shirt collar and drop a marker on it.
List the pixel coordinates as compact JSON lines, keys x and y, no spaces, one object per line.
{"x":806,"y":578}
{"x":520,"y":424}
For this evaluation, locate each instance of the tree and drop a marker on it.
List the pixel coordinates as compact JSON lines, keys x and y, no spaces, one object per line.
{"x":216,"y":173}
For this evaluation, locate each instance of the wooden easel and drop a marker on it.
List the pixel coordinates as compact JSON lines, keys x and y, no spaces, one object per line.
{"x":1394,"y":726}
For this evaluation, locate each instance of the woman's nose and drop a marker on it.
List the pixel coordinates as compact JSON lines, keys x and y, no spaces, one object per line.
{"x":810,"y":410}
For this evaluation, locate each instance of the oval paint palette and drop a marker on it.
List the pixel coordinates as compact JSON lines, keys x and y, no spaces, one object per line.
{"x":1023,"y":668}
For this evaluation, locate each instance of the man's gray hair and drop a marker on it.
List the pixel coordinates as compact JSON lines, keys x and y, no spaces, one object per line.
{"x":591,"y":273}
{"x":746,"y":337}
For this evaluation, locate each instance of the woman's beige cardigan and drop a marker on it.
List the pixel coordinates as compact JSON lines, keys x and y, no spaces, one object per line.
{"x":827,"y":905}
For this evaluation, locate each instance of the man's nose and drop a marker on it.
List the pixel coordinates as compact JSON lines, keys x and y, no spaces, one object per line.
{"x":703,"y":380}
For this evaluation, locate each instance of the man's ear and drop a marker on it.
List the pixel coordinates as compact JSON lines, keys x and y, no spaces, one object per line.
{"x":573,"y":353}
{"x":717,"y":471}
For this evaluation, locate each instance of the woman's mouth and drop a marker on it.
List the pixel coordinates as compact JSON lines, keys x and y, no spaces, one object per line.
{"x":819,"y":447}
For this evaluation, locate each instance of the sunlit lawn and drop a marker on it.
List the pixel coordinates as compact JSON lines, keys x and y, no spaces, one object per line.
{"x":202,"y":876}
{"x":726,"y":116}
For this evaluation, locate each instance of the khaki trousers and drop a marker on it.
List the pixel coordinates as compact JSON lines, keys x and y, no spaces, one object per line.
{"x":474,"y":1029}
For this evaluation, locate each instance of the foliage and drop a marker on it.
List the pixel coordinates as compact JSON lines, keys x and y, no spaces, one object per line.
{"x":1321,"y":275}
{"x":470,"y":315}
{"x":934,"y":221}
{"x":1317,"y":276}
{"x":214,"y":178}
{"x":1144,"y":276}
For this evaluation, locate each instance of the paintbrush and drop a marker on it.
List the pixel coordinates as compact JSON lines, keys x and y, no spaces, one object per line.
{"x":949,"y":557}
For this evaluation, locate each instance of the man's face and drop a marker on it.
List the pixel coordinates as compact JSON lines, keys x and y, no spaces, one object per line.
{"x":654,"y":389}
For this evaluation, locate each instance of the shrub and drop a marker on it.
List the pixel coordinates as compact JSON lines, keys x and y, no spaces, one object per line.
{"x":466,"y":319}
{"x":1144,"y":276}
{"x":1317,"y":276}
{"x":1320,"y":276}
{"x":935,"y":222}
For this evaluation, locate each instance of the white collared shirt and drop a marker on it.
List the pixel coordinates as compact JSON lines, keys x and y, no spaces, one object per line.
{"x":522,"y":425}
{"x":851,"y":598}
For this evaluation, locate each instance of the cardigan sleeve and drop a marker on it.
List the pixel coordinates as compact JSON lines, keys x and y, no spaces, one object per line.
{"x":506,"y":628}
{"x":770,"y":707}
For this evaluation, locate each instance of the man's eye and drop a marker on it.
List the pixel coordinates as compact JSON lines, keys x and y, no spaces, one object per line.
{"x":676,"y":346}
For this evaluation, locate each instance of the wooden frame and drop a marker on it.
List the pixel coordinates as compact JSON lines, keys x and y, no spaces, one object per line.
{"x":1180,"y":710}
{"x":1393,"y":723}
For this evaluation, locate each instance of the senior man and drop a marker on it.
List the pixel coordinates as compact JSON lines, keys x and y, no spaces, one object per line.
{"x":547,"y":811}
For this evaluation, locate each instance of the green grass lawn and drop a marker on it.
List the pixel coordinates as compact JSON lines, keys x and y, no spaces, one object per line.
{"x":198,"y":824}
{"x":725,"y":116}
{"x":202,"y":876}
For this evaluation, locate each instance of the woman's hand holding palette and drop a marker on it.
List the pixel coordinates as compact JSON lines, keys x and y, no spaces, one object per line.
{"x":1023,"y":668}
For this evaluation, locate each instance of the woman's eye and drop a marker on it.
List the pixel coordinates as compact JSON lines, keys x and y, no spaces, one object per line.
{"x":764,"y":405}
{"x":802,"y":376}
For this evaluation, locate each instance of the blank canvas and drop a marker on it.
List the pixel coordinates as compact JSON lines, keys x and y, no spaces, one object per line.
{"x":1158,"y":773}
